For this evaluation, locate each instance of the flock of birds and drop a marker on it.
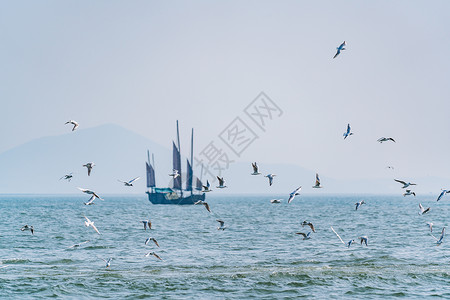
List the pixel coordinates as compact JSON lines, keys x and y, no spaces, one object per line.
{"x":207,"y":188}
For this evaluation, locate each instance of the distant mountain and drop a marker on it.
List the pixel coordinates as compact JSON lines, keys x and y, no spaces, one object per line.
{"x":35,"y":167}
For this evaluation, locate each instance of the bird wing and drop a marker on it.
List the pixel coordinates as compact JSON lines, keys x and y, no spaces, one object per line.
{"x":220,"y":180}
{"x":206,"y":206}
{"x":255,"y":167}
{"x":421,"y":207}
{"x":337,"y":53}
{"x":304,"y":235}
{"x":156,"y":255}
{"x":391,"y":139}
{"x":400,"y":181}
{"x":95,"y":228}
{"x":440,"y":195}
{"x":156,"y":243}
{"x":270,"y":180}
{"x":221,"y":222}
{"x":312,"y":227}
{"x":87,"y":219}
{"x":442,"y":234}
{"x":134,"y":179}
{"x":337,"y":235}
{"x":207,"y":184}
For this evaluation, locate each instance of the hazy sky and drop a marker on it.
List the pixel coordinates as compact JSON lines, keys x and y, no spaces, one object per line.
{"x":145,"y":64}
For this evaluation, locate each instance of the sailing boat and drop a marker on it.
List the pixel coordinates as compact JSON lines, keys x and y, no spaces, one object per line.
{"x":175,"y":194}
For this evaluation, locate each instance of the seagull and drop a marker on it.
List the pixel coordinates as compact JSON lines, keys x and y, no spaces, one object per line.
{"x":275,"y":201}
{"x":88,"y":223}
{"x":340,"y":48}
{"x":442,"y":194}
{"x":151,"y":239}
{"x":206,"y":188}
{"x":74,"y":123}
{"x":26,"y":227}
{"x":405,"y":185}
{"x":129,"y":183}
{"x":175,"y":174}
{"x":89,"y":167}
{"x":364,"y":239}
{"x":294,"y":193}
{"x":90,"y":201}
{"x":108,"y":262}
{"x":221,"y":182}
{"x":305,"y":236}
{"x":309,"y":224}
{"x":89,"y":192}
{"x":204,"y":204}
{"x":347,"y":133}
{"x":317,"y":184}
{"x":148,"y":224}
{"x":270,"y":176}
{"x":221,"y":227}
{"x":255,"y":169}
{"x":67,"y":177}
{"x":408,"y":192}
{"x":78,"y":245}
{"x":384,"y":139}
{"x":423,"y":210}
{"x":390,"y":167}
{"x":342,"y":241}
{"x":430,"y":225}
{"x":358,"y":204}
{"x":154,"y":254}
{"x":440,"y":240}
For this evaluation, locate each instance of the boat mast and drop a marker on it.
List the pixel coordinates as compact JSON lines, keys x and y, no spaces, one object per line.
{"x":179,"y":151}
{"x":153,"y":165}
{"x":192,"y":160}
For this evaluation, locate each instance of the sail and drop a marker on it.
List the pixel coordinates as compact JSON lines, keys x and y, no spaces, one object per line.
{"x":199,"y":185}
{"x":150,"y":175}
{"x":176,"y":166}
{"x":189,"y":177}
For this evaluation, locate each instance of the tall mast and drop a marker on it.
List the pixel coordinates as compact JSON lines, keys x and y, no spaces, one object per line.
{"x":192,"y":158}
{"x":153,"y":165}
{"x":179,"y":151}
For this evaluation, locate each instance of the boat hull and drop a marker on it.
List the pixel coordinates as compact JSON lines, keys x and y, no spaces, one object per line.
{"x":163,"y":198}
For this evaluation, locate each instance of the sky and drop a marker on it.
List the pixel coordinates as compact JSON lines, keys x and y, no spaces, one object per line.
{"x":145,"y":64}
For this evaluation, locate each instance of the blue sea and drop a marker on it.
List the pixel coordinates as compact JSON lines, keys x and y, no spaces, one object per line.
{"x":257,"y":256}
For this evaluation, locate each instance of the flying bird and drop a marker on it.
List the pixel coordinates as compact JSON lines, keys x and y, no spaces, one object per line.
{"x":317,"y":184}
{"x":441,"y":238}
{"x":306,"y":223}
{"x":174,"y":174}
{"x":154,"y":254}
{"x":358,"y":204}
{"x":26,"y":227}
{"x":442,"y":194}
{"x":384,"y":139}
{"x":348,"y":132}
{"x":221,"y":227}
{"x":89,"y":192}
{"x":423,"y":210}
{"x":204,"y":204}
{"x":364,"y":239}
{"x":129,"y":183}
{"x":255,"y":169}
{"x":74,"y":123}
{"x":405,"y":184}
{"x":305,"y":236}
{"x":270,"y":176}
{"x":151,"y":239}
{"x":89,"y":167}
{"x":390,"y":167}
{"x":67,"y":177}
{"x":148,"y":224}
{"x":294,"y":193}
{"x":108,"y":262}
{"x":221,"y":183}
{"x":88,"y":223}
{"x":408,"y":193}
{"x":339,"y":49}
{"x":206,"y":188}
{"x":78,"y":245}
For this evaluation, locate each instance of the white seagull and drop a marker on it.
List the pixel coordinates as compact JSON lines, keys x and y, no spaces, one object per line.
{"x":74,"y":123}
{"x":441,"y":238}
{"x":364,"y":239}
{"x":348,"y":132}
{"x":221,"y":183}
{"x":255,"y":169}
{"x":423,"y":210}
{"x":317,"y":184}
{"x":129,"y":183}
{"x":384,"y":139}
{"x":305,"y":236}
{"x":358,"y":204}
{"x":148,"y":224}
{"x":154,"y":254}
{"x":204,"y":204}
{"x":221,"y":227}
{"x":26,"y":227}
{"x":442,"y":194}
{"x":89,"y":192}
{"x":294,"y":193}
{"x":67,"y":177}
{"x":174,"y":174}
{"x":306,"y":223}
{"x":405,"y":184}
{"x":88,"y":223}
{"x":206,"y":188}
{"x":78,"y":245}
{"x":340,"y":48}
{"x":151,"y":239}
{"x":108,"y":262}
{"x":408,"y":193}
{"x":89,"y":167}
{"x":270,"y":176}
